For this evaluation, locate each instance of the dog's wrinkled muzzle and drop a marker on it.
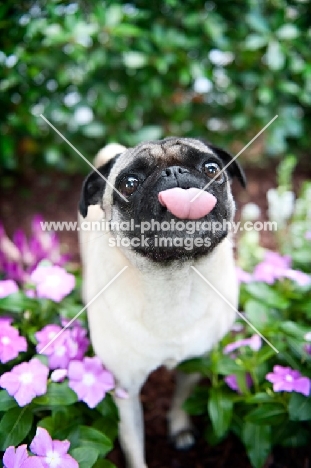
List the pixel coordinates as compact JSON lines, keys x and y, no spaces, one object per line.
{"x":178,"y":202}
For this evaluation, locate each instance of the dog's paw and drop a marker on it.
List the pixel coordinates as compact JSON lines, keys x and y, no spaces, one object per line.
{"x":184,"y":439}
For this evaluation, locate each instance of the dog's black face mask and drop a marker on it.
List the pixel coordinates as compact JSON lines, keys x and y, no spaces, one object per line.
{"x":153,"y":168}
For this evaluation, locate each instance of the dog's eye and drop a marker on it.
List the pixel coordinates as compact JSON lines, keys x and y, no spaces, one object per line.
{"x":212,"y":170}
{"x":128,"y":185}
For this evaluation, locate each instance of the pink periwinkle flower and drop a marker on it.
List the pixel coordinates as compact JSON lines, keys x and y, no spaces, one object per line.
{"x":18,"y":458}
{"x":26,"y":381}
{"x":276,"y":266}
{"x":299,"y":277}
{"x":254,"y":342}
{"x":272,"y":267}
{"x":52,"y":453}
{"x":90,"y":380}
{"x":232,"y":382}
{"x":11,"y":343}
{"x":7,"y":287}
{"x":243,"y":276}
{"x":308,"y":235}
{"x":71,"y":343}
{"x":289,"y":380}
{"x":53,"y":282}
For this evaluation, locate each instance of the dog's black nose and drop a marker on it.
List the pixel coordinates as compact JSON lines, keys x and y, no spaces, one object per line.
{"x":174,"y":171}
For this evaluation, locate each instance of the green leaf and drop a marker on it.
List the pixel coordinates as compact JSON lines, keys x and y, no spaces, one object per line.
{"x":149,"y":132}
{"x":255,"y":41}
{"x":57,"y":394}
{"x":90,"y":437}
{"x":17,"y":302}
{"x":292,"y":434}
{"x":201,"y":365}
{"x":257,"y":441}
{"x":104,"y":464}
{"x":85,"y":456}
{"x":287,"y":32}
{"x":257,"y":313}
{"x":14,"y":426}
{"x":274,"y":57}
{"x":257,"y":22}
{"x":133,"y":59}
{"x":107,"y":407}
{"x":196,"y":403}
{"x":220,"y":407}
{"x":265,"y":353}
{"x":293,"y":329}
{"x":108,"y":423}
{"x":299,"y":407}
{"x":264,"y":293}
{"x":226,"y":366}
{"x":261,"y":397}
{"x":270,"y":413}
{"x":6,"y":401}
{"x":47,"y":423}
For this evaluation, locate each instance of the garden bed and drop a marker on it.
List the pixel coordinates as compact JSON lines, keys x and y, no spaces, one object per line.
{"x":55,"y":197}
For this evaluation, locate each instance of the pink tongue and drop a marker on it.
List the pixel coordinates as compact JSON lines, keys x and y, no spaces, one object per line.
{"x":178,"y":202}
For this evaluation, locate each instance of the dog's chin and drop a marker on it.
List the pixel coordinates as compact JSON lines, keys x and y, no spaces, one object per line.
{"x":176,"y":248}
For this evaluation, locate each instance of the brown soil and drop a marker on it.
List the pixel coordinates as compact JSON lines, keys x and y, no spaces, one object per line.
{"x":55,"y":196}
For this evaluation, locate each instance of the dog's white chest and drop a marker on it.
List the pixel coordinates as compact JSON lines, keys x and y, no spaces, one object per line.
{"x":144,"y":320}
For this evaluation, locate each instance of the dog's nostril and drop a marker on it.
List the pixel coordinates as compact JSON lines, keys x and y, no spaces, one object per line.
{"x":182,"y":170}
{"x":174,"y":170}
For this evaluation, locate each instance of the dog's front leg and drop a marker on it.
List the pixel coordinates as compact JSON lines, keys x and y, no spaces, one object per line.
{"x":180,"y":426}
{"x":131,"y":430}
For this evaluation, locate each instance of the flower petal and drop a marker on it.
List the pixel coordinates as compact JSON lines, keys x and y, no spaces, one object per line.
{"x":61,"y":446}
{"x":42,"y":442}
{"x":14,"y":458}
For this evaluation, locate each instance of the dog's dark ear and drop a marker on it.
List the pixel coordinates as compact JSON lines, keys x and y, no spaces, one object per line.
{"x":94,"y":186}
{"x":234,"y":169}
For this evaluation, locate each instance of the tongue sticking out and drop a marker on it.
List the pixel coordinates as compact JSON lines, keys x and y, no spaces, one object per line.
{"x":178,"y":202}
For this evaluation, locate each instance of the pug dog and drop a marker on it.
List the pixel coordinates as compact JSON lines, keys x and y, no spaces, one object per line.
{"x":159,"y":202}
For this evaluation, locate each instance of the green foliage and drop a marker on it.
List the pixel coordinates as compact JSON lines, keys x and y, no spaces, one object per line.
{"x":91,"y":432}
{"x":257,"y":412}
{"x":128,"y":71}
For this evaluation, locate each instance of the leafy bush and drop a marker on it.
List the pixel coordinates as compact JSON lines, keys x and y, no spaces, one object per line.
{"x":129,"y":71}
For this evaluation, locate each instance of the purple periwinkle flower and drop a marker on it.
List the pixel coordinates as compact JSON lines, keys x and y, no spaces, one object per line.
{"x":7,"y":287}
{"x":289,"y":380}
{"x":90,"y":380}
{"x":52,"y":282}
{"x":11,"y":343}
{"x":52,"y":453}
{"x":18,"y":458}
{"x":232,"y":382}
{"x":71,"y":343}
{"x":308,"y":235}
{"x":19,"y":258}
{"x":26,"y":381}
{"x":254,"y":342}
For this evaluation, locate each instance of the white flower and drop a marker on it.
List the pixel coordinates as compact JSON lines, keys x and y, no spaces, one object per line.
{"x":250,"y":212}
{"x":280,"y":205}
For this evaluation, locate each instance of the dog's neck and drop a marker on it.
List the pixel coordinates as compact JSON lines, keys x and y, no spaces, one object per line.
{"x":171,"y":292}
